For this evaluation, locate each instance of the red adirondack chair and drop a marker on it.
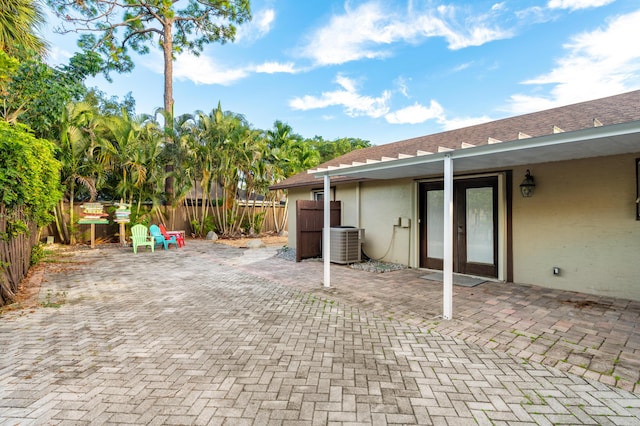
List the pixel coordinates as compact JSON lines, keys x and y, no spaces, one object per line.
{"x":168,"y":234}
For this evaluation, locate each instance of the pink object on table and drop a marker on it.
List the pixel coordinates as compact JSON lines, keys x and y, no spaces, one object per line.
{"x":178,"y":234}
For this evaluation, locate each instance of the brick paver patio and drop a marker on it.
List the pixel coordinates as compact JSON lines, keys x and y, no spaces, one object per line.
{"x":210,"y":334}
{"x":590,"y":336}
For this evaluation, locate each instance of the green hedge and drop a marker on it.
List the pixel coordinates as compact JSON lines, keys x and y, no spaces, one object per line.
{"x":29,"y":190}
{"x":29,"y":173}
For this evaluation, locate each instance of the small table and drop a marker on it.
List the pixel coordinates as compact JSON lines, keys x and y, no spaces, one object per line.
{"x":179,"y":236}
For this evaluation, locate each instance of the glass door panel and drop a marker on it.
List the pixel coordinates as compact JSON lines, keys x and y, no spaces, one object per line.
{"x":475,"y":225}
{"x":480,"y":225}
{"x":435,"y":224}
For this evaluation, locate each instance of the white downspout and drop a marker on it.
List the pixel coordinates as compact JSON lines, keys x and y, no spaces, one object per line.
{"x":326,"y":232}
{"x":447,"y":271}
{"x":358,"y":205}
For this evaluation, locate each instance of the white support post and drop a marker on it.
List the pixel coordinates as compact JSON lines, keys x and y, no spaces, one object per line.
{"x":447,"y":272}
{"x":326,"y":232}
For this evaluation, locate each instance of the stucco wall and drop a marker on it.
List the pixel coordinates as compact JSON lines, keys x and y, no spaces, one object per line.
{"x":381,"y":204}
{"x":582,"y":220}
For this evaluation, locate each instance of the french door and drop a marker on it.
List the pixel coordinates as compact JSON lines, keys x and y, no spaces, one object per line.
{"x":475,"y":226}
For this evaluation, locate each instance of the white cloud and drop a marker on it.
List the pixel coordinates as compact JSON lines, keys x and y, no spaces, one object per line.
{"x":203,"y":70}
{"x":354,"y":104}
{"x":462,"y":67}
{"x":350,"y":37}
{"x":415,"y":114}
{"x":368,"y":31}
{"x":57,"y":56}
{"x":258,"y":27}
{"x":472,"y":30}
{"x":276,"y":67}
{"x":418,"y":113}
{"x":498,"y":6}
{"x":534,"y":15}
{"x":597,"y":63}
{"x":577,"y":4}
{"x":402,"y":86}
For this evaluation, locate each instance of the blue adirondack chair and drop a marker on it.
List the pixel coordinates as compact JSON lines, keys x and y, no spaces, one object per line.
{"x":140,"y":237}
{"x":161,"y":239}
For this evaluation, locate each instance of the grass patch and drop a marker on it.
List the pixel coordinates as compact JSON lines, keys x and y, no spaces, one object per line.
{"x":54,"y":300}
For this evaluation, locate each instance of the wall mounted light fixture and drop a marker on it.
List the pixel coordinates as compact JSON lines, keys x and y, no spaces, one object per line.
{"x":528,"y":185}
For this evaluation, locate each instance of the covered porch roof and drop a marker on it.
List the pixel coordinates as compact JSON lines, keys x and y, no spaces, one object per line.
{"x":562,"y":146}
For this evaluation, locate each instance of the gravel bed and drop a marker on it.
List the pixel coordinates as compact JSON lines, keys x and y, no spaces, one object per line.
{"x":377,"y":266}
{"x":369,"y":265}
{"x":287,"y":253}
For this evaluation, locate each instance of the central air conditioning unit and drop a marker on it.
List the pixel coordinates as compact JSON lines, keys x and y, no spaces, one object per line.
{"x":346,"y":244}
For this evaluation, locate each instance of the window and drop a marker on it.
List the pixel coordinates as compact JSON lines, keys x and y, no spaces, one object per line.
{"x":318,"y":194}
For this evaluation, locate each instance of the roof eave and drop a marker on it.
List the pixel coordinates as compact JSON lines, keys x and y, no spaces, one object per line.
{"x":585,"y":143}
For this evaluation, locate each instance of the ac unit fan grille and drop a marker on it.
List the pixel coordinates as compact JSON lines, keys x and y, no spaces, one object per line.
{"x":345,"y":246}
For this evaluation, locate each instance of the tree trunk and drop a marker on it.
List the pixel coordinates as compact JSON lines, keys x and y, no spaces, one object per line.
{"x":167,"y":48}
{"x":72,"y":225}
{"x":61,"y":223}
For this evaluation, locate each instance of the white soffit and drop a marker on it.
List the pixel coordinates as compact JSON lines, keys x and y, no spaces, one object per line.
{"x":587,"y":143}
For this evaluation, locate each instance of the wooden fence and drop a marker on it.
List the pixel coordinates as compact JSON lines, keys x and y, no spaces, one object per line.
{"x":110,"y":232}
{"x":15,"y":254}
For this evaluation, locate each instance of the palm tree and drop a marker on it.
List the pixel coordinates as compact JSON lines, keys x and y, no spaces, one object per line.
{"x":203,"y":146}
{"x":78,"y":129}
{"x":165,"y":145}
{"x":279,"y":142}
{"x":238,"y":150}
{"x":220,"y":137}
{"x":222,"y":151}
{"x":252,"y":175}
{"x":287,"y":154}
{"x":131,"y":149}
{"x":19,"y":23}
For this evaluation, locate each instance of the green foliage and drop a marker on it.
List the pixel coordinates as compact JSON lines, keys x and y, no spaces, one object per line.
{"x":209,"y":224}
{"x":131,"y":148}
{"x":196,"y":228}
{"x":111,"y":28}
{"x":54,"y":300}
{"x":19,"y":22}
{"x":255,"y":221}
{"x":110,"y":106}
{"x":36,"y":94}
{"x":15,"y":227}
{"x":8,"y":66}
{"x":332,"y":149}
{"x":224,"y":159}
{"x":204,"y":227}
{"x":29,"y":173}
{"x":142,"y":216}
{"x":37,"y":254}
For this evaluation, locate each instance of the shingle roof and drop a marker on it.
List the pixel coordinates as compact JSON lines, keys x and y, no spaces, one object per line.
{"x":606,"y":111}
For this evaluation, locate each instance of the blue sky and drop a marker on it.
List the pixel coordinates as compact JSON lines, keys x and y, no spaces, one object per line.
{"x":390,"y":70}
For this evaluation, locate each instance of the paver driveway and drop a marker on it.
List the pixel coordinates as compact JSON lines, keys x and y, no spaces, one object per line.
{"x":192,"y":336}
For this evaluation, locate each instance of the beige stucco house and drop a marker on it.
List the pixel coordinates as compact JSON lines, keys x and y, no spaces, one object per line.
{"x":454,"y":201}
